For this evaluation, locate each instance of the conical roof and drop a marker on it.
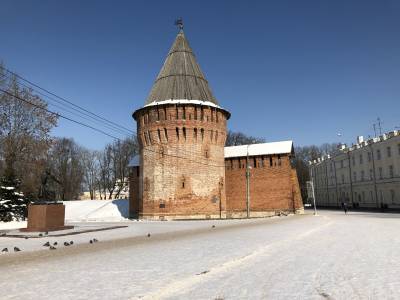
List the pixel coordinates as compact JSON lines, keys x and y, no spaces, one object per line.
{"x":180,"y":77}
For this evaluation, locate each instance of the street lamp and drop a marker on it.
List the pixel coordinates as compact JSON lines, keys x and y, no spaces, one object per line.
{"x":248,"y":182}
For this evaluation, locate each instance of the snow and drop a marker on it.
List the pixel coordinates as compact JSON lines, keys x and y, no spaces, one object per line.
{"x":183,"y":101}
{"x":329,"y":256}
{"x":283,"y":147}
{"x":96,"y":210}
{"x":13,"y":225}
{"x":87,"y":211}
{"x":8,"y":188}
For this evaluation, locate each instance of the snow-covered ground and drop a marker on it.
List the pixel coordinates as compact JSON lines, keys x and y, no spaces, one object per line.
{"x":330,"y":256}
{"x":87,"y":211}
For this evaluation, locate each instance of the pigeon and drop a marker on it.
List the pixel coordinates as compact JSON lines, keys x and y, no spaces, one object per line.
{"x":16,"y":249}
{"x":26,"y":237}
{"x":46,"y":233}
{"x":148,"y":235}
{"x":66,"y":244}
{"x":95,"y":240}
{"x":4,"y":250}
{"x":55,"y":244}
{"x":52,"y":248}
{"x":213,"y":226}
{"x":47,"y":244}
{"x":71,"y":242}
{"x":40,"y":234}
{"x":91,"y":241}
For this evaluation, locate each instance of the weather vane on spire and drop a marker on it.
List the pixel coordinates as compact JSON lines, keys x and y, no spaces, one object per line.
{"x":179,"y":23}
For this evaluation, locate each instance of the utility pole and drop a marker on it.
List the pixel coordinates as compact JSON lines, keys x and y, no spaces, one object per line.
{"x":247,"y":183}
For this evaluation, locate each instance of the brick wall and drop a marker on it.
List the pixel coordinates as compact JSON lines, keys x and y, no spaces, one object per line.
{"x":273,"y":186}
{"x":182,"y":159}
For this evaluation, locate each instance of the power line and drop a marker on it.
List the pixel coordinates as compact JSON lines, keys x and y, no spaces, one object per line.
{"x":114,"y":128}
{"x":65,"y":100}
{"x":57,"y":114}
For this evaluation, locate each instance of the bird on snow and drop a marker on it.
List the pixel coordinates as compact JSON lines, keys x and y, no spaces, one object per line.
{"x":40,"y":234}
{"x":46,"y":233}
{"x":66,"y":244}
{"x":52,"y":248}
{"x":71,"y":242}
{"x":148,"y":235}
{"x":55,"y":244}
{"x":16,"y":249}
{"x":213,"y":226}
{"x":95,"y":240}
{"x":47,"y":244}
{"x":4,"y":250}
{"x":91,"y":241}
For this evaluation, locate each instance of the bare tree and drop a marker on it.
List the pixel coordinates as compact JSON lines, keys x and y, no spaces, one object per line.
{"x":24,"y":133}
{"x":91,"y":171}
{"x":66,"y":166}
{"x":238,"y":138}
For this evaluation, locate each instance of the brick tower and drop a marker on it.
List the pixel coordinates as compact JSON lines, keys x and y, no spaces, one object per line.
{"x":182,"y":132}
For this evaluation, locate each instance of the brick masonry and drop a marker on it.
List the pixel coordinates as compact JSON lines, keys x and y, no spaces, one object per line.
{"x":182,"y":159}
{"x":273,"y":186}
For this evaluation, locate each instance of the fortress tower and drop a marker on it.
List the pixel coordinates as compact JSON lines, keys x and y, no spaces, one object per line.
{"x":182,"y":132}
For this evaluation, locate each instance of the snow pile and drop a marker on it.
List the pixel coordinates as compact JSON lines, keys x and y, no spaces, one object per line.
{"x":13,"y":225}
{"x":96,"y":210}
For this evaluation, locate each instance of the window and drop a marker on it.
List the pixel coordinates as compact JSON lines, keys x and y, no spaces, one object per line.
{"x":159,"y":135}
{"x":361,"y":159}
{"x":380,"y":173}
{"x":342,"y":178}
{"x":369,"y":156}
{"x":195,"y":113}
{"x":353,"y":160}
{"x":354,"y":176}
{"x":371,"y":174}
{"x":362,"y":175}
{"x":184,"y":113}
{"x":393,"y":196}
{"x":202,"y":134}
{"x":371,"y":196}
{"x":378,"y":154}
{"x":211,"y":135}
{"x":363,"y":196}
{"x":149,"y":135}
{"x":202,"y":114}
{"x":177,"y":133}
{"x":195,"y":134}
{"x":389,"y":152}
{"x":391,"y":172}
{"x":184,"y":133}
{"x":177,"y":112}
{"x":270,"y":161}
{"x":166,"y":134}
{"x":341,"y":163}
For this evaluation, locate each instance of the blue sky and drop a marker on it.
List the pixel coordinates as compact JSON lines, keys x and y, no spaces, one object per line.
{"x":301,"y":70}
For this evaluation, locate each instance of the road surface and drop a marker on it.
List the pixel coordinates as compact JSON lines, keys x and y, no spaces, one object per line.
{"x":330,"y":256}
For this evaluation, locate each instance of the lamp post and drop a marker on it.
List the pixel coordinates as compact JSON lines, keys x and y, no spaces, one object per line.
{"x":248,"y":183}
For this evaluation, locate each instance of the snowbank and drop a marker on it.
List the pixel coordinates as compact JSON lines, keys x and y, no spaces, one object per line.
{"x":13,"y":225}
{"x":96,"y":210}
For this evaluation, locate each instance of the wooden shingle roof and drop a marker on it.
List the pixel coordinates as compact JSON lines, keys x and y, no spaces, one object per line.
{"x":180,"y":77}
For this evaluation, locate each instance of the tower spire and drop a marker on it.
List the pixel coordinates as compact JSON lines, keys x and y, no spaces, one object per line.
{"x":179,"y":23}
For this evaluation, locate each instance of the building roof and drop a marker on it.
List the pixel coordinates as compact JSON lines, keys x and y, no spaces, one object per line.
{"x":284,"y":147}
{"x":181,"y":76}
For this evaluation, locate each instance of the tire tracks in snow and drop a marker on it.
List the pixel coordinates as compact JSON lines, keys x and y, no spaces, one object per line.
{"x":188,"y":283}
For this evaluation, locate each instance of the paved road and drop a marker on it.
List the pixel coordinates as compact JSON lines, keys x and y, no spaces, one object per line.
{"x":330,"y":256}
